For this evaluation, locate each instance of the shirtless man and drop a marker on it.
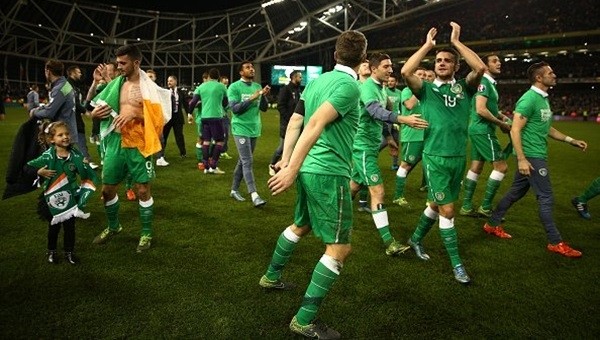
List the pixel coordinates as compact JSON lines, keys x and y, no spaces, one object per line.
{"x":122,"y":148}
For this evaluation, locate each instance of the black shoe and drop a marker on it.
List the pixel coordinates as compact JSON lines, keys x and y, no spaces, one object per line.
{"x":70,"y":258}
{"x":52,"y":256}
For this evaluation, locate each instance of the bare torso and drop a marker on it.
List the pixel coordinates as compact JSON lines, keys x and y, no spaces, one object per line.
{"x":130,"y":102}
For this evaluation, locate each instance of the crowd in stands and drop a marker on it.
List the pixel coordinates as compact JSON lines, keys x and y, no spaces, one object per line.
{"x":489,"y":19}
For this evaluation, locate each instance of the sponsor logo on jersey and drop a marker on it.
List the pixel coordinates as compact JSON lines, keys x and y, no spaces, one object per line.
{"x":411,"y":158}
{"x":545,"y":114}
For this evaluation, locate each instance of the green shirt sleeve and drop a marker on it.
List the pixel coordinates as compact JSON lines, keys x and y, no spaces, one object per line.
{"x":344,"y":98}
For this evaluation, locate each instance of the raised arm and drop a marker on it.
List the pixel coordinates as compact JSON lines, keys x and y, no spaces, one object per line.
{"x":408,"y":70}
{"x":471,"y":58}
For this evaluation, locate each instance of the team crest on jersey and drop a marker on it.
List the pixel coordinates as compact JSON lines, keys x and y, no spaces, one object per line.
{"x":374,"y":178}
{"x":411,"y":158}
{"x":242,"y":141}
{"x":458,"y":90}
{"x":71,"y":167}
{"x":440,"y":196}
{"x":59,"y":200}
{"x":481,"y":88}
{"x":543,"y":172}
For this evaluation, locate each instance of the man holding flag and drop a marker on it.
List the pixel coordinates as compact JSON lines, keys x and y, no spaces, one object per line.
{"x":133,"y":110}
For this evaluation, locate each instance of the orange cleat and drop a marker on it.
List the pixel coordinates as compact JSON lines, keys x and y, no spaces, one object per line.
{"x":201,"y":166}
{"x":564,"y":249}
{"x":496,"y":231}
{"x":130,"y":195}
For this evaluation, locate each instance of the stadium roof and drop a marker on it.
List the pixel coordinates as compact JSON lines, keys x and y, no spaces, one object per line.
{"x":258,"y":30}
{"x":181,"y":6}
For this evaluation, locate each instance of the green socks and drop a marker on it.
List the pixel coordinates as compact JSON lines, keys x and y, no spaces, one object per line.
{"x":363,"y":194}
{"x":199,"y":152}
{"x":112,"y":213}
{"x":426,"y":221}
{"x":146,"y":216}
{"x":326,"y":272}
{"x":450,"y":240}
{"x":283,"y":251}
{"x":380,"y":217}
{"x":592,"y":191}
{"x":400,"y":182}
{"x":470,"y":184}
{"x":491,"y":188}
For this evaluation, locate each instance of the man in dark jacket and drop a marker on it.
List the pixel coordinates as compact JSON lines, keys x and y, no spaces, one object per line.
{"x":74,"y":78}
{"x":61,"y":104}
{"x":287,"y":100}
{"x":176,"y":123}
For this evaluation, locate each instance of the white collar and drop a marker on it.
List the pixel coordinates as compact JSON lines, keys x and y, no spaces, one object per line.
{"x":539,"y":91}
{"x":437,"y":82}
{"x":346,"y":69}
{"x":376,"y":82}
{"x":490,"y":78}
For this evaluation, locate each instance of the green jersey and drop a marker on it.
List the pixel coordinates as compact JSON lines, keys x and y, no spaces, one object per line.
{"x":446,"y":106}
{"x":393,"y":96}
{"x":248,"y":122}
{"x":332,"y":153}
{"x":480,"y":125}
{"x":408,"y":134}
{"x":534,"y":106}
{"x":211,"y":94}
{"x":368,"y":136}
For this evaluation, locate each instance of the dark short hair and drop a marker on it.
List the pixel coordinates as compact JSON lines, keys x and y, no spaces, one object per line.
{"x":55,"y":67}
{"x":350,"y":48}
{"x":72,"y":69}
{"x":451,"y":51}
{"x":213,"y":73}
{"x":486,"y":58}
{"x":242,"y":65}
{"x":131,"y":51}
{"x":294,"y":72}
{"x":173,"y":76}
{"x":376,"y":58}
{"x":535,"y":69}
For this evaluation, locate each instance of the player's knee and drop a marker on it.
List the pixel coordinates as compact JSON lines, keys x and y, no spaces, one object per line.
{"x":406,"y":166}
{"x":300,"y":231}
{"x":446,"y":211}
{"x":338,"y":251}
{"x":501,"y":167}
{"x":143,"y":192}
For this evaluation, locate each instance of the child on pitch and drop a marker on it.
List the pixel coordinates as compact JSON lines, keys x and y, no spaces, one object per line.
{"x":63,"y":197}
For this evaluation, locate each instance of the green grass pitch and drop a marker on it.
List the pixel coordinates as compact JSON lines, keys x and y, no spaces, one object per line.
{"x":200,"y":279}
